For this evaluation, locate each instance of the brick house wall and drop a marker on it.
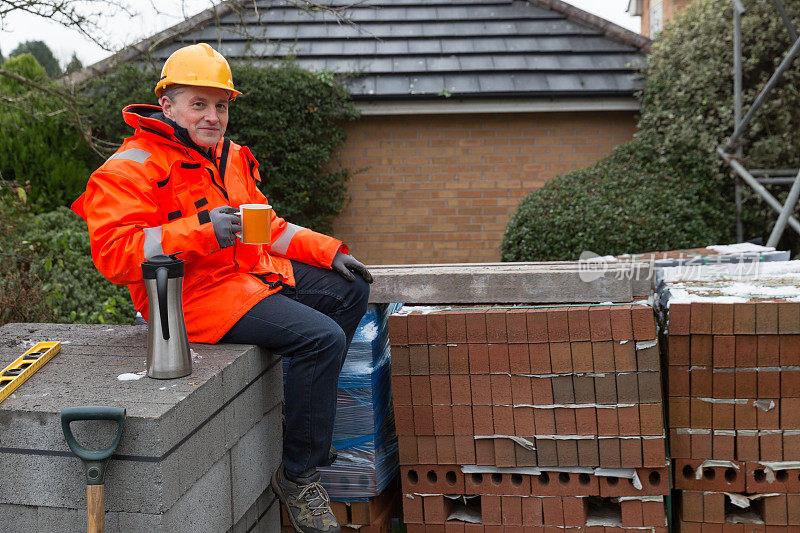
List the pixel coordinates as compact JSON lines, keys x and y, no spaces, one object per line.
{"x":441,"y":188}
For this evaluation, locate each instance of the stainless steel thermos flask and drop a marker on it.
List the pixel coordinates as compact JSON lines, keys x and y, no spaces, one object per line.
{"x":168,"y":353}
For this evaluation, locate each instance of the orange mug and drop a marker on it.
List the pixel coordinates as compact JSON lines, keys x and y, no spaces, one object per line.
{"x":256,"y":219}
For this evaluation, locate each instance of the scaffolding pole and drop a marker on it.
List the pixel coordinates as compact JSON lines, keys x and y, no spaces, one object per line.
{"x":738,"y":10}
{"x":740,"y":124}
{"x":757,"y":187}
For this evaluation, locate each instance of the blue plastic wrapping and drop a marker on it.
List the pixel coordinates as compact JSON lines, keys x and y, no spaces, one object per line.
{"x":364,"y":432}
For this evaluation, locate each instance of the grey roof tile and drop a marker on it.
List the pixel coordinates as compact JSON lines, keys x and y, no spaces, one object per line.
{"x":462,"y":83}
{"x":403,"y":48}
{"x":442,"y":63}
{"x":476,"y":62}
{"x":393,"y":47}
{"x":426,"y":84}
{"x":496,"y":83}
{"x":425,"y":46}
{"x":510,"y":62}
{"x":408,"y":64}
{"x":326,"y":47}
{"x":392,"y":85}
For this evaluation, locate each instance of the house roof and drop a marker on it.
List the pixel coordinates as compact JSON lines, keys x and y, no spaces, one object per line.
{"x":400,"y":49}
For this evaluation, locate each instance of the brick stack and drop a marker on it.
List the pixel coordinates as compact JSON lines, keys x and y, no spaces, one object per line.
{"x":734,"y":410}
{"x":512,"y":397}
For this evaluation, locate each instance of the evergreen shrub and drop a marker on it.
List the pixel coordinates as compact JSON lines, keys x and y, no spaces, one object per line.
{"x":21,"y":296}
{"x":39,"y":142}
{"x":75,"y":290}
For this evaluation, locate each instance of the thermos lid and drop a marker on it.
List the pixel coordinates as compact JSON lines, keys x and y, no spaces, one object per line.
{"x":173,"y":265}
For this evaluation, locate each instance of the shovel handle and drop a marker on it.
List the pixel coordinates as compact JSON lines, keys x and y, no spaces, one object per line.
{"x":96,"y":508}
{"x":73,"y":414}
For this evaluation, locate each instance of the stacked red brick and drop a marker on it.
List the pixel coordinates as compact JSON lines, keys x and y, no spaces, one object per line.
{"x":528,"y":387}
{"x":734,"y":409}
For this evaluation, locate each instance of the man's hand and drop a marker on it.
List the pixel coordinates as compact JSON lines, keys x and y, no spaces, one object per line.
{"x":344,"y":264}
{"x":226,"y":225}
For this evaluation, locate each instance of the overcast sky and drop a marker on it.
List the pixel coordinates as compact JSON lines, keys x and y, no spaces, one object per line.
{"x":122,"y":31}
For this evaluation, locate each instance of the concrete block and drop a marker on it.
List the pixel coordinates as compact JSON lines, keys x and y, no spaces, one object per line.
{"x":140,"y":522}
{"x":19,"y":517}
{"x":53,"y":519}
{"x":263,"y":515}
{"x":207,"y":502}
{"x":270,"y":519}
{"x":253,"y":460}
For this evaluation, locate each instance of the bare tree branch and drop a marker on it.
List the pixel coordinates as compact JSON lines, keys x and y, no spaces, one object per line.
{"x":85,"y":16}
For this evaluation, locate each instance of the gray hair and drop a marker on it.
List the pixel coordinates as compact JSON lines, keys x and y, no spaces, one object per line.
{"x":172,"y":91}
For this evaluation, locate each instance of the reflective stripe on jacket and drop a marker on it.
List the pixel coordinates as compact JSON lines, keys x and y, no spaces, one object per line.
{"x":154,"y":195}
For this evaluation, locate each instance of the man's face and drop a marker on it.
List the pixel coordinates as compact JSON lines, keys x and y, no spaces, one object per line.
{"x":203,"y":111}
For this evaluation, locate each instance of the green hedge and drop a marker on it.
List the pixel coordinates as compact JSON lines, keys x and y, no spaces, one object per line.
{"x":668,"y":189}
{"x":47,"y":274}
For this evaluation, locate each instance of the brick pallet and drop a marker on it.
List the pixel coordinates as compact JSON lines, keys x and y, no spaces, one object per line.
{"x":733,"y":387}
{"x":530,"y":390}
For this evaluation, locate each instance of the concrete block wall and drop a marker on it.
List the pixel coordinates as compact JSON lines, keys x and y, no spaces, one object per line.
{"x":196,"y":453}
{"x":509,"y":412}
{"x":441,"y":188}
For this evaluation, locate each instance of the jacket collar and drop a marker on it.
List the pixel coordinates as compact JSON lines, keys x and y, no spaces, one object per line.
{"x":151,"y":119}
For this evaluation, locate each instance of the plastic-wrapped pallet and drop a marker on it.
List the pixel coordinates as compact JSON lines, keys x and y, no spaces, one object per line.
{"x":364,"y":432}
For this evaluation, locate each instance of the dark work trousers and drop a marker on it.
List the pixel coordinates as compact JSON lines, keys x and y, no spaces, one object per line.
{"x":312,"y":324}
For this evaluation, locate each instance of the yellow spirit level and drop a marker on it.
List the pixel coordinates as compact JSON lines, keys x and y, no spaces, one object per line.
{"x":25,"y":365}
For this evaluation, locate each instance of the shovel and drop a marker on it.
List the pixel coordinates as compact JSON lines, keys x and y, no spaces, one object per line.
{"x":94,"y":461}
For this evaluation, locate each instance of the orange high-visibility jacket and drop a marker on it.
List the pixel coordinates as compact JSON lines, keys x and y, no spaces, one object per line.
{"x":154,"y":195}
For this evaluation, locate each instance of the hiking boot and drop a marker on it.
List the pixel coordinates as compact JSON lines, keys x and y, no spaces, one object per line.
{"x":306,"y":502}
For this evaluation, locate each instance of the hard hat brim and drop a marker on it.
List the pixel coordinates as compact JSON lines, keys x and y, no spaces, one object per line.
{"x":161,"y":86}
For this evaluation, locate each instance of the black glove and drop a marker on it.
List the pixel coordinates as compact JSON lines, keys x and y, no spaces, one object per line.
{"x":344,"y":263}
{"x":226,"y":225}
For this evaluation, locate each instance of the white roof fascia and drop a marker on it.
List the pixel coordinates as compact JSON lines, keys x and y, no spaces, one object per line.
{"x":530,"y":105}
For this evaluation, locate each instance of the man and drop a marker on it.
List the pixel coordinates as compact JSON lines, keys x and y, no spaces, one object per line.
{"x":174,"y":187}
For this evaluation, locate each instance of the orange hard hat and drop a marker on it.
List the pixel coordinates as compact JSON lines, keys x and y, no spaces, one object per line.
{"x":196,"y":64}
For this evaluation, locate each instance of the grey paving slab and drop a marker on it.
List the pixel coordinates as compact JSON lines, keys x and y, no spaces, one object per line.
{"x":551,"y":282}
